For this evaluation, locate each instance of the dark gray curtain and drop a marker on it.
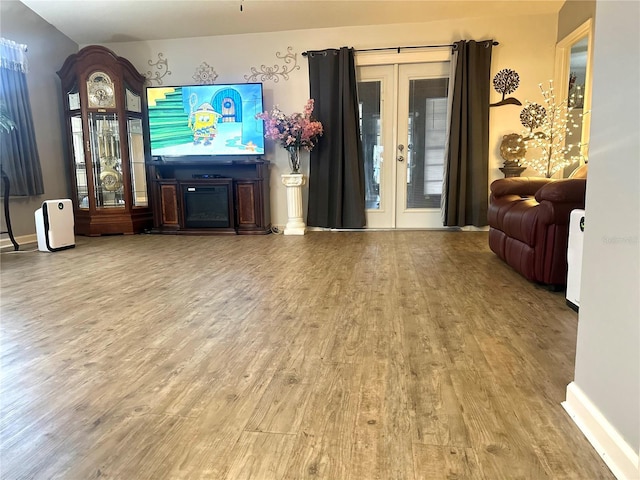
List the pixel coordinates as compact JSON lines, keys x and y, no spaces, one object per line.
{"x":336,"y":171}
{"x":19,"y":157}
{"x":466,"y":191}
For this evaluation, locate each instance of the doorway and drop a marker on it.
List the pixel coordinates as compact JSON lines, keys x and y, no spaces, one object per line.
{"x":573,"y":82}
{"x":403,"y":120}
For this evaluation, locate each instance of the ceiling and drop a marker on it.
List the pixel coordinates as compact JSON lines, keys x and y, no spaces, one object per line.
{"x":106,"y":21}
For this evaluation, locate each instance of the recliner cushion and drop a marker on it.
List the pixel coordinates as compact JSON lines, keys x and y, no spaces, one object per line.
{"x":499,"y":206}
{"x":521,"y":257}
{"x":521,"y":221}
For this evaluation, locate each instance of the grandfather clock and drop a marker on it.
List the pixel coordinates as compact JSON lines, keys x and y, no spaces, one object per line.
{"x":103,"y":99}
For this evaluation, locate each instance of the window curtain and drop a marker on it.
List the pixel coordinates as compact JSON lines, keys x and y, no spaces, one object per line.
{"x":336,"y":172}
{"x":18,"y":151}
{"x":466,"y":178}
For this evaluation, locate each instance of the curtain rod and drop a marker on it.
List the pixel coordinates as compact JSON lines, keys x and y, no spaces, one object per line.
{"x":448,"y":45}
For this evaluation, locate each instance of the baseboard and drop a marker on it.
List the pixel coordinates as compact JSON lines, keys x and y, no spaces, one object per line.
{"x":471,"y":228}
{"x":5,"y":243}
{"x":367,"y":229}
{"x":572,"y":306}
{"x":621,"y":459}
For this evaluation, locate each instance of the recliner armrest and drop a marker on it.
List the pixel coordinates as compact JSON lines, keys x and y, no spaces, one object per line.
{"x":570,"y":190}
{"x":523,"y":186}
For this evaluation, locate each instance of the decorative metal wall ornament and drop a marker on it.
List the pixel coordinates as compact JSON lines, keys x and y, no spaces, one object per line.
{"x":506,"y":81}
{"x":274,"y":73}
{"x":533,"y":116}
{"x":205,"y":74}
{"x":161,"y":64}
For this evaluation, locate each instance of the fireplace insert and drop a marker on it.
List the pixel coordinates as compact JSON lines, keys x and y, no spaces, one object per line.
{"x":208,"y":206}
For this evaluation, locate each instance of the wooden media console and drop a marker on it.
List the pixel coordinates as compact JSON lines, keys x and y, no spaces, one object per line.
{"x":208,"y":197}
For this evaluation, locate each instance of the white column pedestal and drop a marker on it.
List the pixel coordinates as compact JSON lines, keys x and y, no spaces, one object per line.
{"x":295,"y":224}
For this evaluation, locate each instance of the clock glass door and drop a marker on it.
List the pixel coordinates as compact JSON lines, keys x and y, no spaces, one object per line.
{"x":80,"y":166}
{"x":106,"y":159}
{"x":136,"y":166}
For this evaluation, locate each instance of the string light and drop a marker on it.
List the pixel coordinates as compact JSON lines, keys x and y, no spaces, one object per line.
{"x":552,"y":150}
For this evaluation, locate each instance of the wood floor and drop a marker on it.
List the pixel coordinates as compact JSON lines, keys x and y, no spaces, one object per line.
{"x":377,"y":355}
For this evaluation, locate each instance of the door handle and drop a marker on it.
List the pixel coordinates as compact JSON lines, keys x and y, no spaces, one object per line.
{"x":400,"y":158}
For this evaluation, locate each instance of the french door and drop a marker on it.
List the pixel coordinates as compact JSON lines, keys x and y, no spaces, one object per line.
{"x":403,"y":115}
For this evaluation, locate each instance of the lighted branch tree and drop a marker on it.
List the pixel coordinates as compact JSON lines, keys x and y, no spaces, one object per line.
{"x":548,"y":134}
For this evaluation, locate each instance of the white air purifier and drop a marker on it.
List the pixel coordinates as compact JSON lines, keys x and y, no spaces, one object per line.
{"x":574,"y":258}
{"x":54,"y":225}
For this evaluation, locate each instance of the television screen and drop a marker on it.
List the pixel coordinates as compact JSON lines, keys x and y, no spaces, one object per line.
{"x":201,"y":120}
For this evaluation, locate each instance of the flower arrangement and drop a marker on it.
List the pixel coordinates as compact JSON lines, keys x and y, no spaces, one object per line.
{"x":295,"y":131}
{"x":551,"y":141}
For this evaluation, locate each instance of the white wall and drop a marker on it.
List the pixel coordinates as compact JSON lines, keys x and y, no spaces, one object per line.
{"x":608,"y":345}
{"x":526,"y":45}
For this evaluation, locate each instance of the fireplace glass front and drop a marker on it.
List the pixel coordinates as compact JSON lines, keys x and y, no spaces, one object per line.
{"x":207,"y":206}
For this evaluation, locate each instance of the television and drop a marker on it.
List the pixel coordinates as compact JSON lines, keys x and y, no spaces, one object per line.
{"x":205,"y":120}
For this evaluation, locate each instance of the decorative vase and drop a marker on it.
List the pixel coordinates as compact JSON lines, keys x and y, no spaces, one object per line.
{"x":294,"y":158}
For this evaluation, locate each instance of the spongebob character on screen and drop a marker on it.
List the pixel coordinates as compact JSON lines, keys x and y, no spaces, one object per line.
{"x":203,"y":122}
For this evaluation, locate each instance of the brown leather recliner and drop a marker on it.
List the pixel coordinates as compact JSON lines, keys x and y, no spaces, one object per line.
{"x":529,"y":223}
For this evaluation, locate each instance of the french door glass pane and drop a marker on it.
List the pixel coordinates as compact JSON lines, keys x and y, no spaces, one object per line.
{"x":369,"y":95}
{"x":426,"y":141}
